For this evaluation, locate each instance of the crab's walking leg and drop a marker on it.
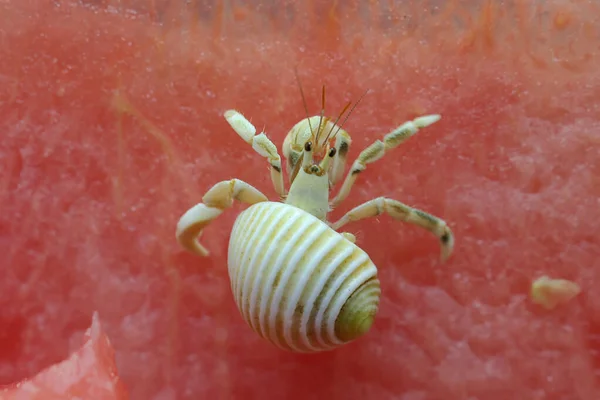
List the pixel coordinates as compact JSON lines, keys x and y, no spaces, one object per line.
{"x":261,"y":144}
{"x":214,"y":202}
{"x":402,"y":212}
{"x":378,"y":149}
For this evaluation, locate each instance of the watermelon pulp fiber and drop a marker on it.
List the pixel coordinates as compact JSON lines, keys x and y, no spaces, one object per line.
{"x":111,"y":119}
{"x":89,"y":372}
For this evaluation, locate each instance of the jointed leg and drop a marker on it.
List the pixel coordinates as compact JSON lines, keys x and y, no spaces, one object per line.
{"x":214,"y":202}
{"x":378,"y":149}
{"x":261,"y":144}
{"x":294,"y":162}
{"x":342,"y":144}
{"x":402,"y":212}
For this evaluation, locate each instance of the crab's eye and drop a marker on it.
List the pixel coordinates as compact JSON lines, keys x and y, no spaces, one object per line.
{"x":332,"y":152}
{"x":308,"y":146}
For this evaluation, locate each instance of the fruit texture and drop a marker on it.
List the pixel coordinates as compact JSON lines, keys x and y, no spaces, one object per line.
{"x":110,"y":118}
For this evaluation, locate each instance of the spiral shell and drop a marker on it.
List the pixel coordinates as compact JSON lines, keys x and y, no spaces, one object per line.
{"x":297,"y":282}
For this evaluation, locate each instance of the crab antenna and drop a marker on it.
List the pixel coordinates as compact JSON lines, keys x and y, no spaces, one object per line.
{"x":350,"y":112}
{"x":321,"y":117}
{"x":337,"y":119}
{"x":303,"y":100}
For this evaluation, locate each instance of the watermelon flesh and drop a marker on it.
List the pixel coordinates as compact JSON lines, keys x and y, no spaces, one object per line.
{"x":89,"y":373}
{"x":111,"y":124}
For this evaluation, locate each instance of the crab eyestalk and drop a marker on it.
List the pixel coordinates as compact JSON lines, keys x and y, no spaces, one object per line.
{"x":326,"y":162}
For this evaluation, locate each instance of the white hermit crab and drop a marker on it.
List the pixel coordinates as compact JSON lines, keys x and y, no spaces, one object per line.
{"x":296,"y":281}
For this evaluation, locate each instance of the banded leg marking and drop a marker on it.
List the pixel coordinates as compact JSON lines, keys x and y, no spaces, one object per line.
{"x":378,"y":149}
{"x":402,"y":212}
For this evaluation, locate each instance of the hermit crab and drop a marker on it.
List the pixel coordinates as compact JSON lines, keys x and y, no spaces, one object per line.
{"x":296,"y":280}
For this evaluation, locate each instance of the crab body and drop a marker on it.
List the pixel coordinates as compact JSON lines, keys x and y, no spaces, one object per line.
{"x":297,"y":281}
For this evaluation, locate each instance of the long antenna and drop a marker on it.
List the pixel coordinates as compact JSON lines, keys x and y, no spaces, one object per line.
{"x":303,"y":100}
{"x":321,"y":117}
{"x":337,"y":119}
{"x":347,"y":116}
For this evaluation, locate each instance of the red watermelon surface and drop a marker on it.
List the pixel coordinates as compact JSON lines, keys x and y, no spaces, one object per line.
{"x":111,"y":119}
{"x":89,"y":373}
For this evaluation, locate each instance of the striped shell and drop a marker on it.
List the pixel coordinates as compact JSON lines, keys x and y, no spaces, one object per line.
{"x":297,"y":282}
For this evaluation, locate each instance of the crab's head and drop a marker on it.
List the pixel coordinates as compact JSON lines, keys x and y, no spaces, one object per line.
{"x":319,"y":131}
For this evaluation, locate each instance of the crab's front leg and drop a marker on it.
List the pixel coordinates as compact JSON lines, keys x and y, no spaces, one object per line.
{"x":261,"y":144}
{"x":378,"y":149}
{"x":402,"y":212}
{"x":214,"y":202}
{"x":342,"y":145}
